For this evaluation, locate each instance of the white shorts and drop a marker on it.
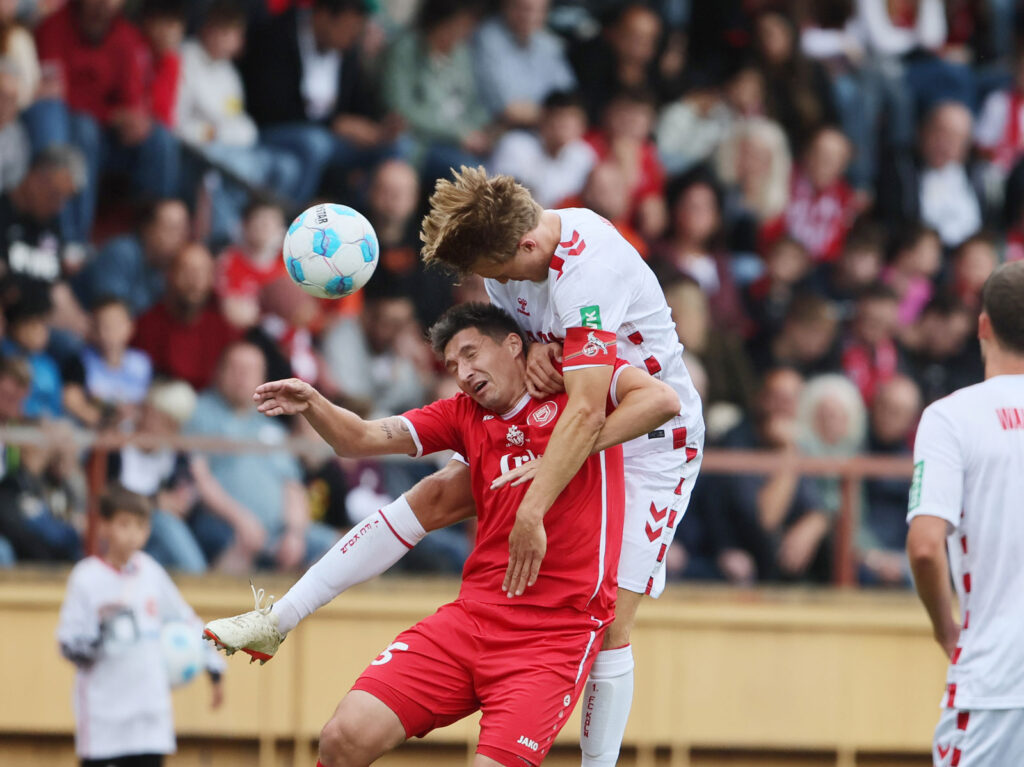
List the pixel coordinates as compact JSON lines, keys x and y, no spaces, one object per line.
{"x":979,"y":738}
{"x":658,"y":488}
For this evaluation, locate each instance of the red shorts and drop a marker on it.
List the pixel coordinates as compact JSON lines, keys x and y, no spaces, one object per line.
{"x":525,"y":666}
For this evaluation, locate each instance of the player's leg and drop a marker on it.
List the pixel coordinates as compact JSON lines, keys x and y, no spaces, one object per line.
{"x":361,"y":730}
{"x":370,"y":548}
{"x":657,"y":494}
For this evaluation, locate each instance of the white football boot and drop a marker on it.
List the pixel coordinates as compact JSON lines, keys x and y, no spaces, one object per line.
{"x":254,"y":633}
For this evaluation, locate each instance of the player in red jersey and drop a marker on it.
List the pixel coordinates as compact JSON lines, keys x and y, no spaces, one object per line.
{"x":524,"y":662}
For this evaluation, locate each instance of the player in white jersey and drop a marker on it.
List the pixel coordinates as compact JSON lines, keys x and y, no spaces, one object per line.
{"x":573,"y":282}
{"x":965,"y":516}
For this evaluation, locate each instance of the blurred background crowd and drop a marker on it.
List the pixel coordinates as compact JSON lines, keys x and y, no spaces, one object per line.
{"x":821,"y":186}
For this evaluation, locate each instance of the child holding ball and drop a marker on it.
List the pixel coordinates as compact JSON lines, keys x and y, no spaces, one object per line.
{"x":110,"y":623}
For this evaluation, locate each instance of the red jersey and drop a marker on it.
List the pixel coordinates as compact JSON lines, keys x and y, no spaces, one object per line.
{"x":584,"y":526}
{"x":238,"y":275}
{"x":817,"y":219}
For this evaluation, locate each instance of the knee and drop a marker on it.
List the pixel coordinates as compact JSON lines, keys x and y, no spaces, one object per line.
{"x":341,"y":744}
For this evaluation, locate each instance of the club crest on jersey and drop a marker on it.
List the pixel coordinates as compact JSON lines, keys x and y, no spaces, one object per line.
{"x":543,"y":415}
{"x":515,"y":437}
{"x":594,"y":346}
{"x":522,"y":306}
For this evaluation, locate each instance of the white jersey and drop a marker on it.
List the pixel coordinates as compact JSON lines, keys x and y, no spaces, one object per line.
{"x":969,"y":470}
{"x":598,"y":280}
{"x":122,"y":700}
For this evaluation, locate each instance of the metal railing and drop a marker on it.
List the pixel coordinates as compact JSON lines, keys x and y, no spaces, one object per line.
{"x":850,"y":472}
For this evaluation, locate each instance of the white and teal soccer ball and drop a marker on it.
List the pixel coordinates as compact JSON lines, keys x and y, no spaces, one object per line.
{"x":330,"y":250}
{"x":181,"y":645}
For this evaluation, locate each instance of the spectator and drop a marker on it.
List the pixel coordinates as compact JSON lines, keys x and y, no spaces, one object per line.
{"x":19,"y":49}
{"x":607,"y":194}
{"x":937,"y":189}
{"x":786,"y":267}
{"x":98,"y":59}
{"x":999,"y":132}
{"x":306,"y":88}
{"x":859,"y":267}
{"x":821,"y":205}
{"x":754,"y":163}
{"x":243,"y":269}
{"x":185,"y":334}
{"x":376,"y":358}
{"x":622,"y":58}
{"x":30,"y":236}
{"x":832,"y":423}
{"x":211,"y":118}
{"x":768,"y":527}
{"x":797,"y":90}
{"x":694,"y":246}
{"x":108,"y":380}
{"x":690,"y":129}
{"x":625,"y":139}
{"x":916,"y":260}
{"x":15,"y":384}
{"x":428,"y":81}
{"x":28,"y":333}
{"x":806,"y":341}
{"x":973,"y":262}
{"x":881,"y":537}
{"x":133,"y":267}
{"x":554,"y":162}
{"x":258,"y":512}
{"x":942,"y":353}
{"x":14,"y":147}
{"x":870,"y":354}
{"x":163,"y":476}
{"x":287,"y":316}
{"x":392,"y":205}
{"x":519,"y":63}
{"x":163,"y":26}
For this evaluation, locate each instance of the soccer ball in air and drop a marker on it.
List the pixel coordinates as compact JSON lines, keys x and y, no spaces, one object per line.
{"x":330,"y":250}
{"x":181,"y":645}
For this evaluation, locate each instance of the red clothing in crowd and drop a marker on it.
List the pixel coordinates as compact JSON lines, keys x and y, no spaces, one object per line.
{"x":164,"y":72}
{"x":239,"y":276}
{"x":869,"y":368}
{"x":189,"y":351}
{"x":650,"y":178}
{"x":818,"y":219}
{"x":99,"y":78}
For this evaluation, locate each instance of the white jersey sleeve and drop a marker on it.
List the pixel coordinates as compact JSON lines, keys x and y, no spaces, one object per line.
{"x":78,"y":629}
{"x":938,"y":485}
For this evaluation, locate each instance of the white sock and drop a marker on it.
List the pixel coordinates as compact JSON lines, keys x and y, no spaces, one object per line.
{"x":367,"y":550}
{"x":607,"y":699}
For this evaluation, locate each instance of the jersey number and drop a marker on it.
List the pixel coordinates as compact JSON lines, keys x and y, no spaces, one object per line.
{"x":385,"y":656}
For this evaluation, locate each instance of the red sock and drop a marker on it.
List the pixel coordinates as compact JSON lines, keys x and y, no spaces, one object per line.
{"x":318,"y":763}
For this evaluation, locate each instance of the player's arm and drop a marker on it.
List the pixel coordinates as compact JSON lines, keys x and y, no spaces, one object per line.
{"x":349,"y":435}
{"x":936,"y":497}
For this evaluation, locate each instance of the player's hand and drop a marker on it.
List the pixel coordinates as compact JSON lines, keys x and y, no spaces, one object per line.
{"x":949,"y":638}
{"x":217,"y":694}
{"x":287,"y":397}
{"x":519,"y":475}
{"x":542,"y":376}
{"x":527,"y":545}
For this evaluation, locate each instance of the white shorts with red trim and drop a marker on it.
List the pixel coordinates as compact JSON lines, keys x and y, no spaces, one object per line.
{"x":658,"y":488}
{"x":979,"y":738}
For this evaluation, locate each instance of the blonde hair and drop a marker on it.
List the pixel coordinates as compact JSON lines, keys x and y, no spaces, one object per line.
{"x":772,"y":195}
{"x":476,"y":217}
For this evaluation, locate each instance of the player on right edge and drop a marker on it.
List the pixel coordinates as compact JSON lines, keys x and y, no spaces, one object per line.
{"x":965,"y":516}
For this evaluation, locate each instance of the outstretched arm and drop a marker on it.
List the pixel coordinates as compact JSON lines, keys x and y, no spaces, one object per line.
{"x":348,"y":434}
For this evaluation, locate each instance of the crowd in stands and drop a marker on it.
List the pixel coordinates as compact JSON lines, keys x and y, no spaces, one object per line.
{"x":821,"y":186}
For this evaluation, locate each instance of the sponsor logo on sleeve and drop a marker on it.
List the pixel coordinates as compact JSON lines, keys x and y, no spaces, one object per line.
{"x":590,"y":317}
{"x":915,"y":485}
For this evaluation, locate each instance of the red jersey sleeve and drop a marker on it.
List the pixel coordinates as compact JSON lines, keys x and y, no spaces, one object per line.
{"x":440,"y":425}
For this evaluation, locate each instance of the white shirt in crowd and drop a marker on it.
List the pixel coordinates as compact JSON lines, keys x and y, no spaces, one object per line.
{"x":883,"y":37}
{"x":551,"y":179}
{"x":949,"y":203}
{"x":320,"y":72}
{"x":598,"y":280}
{"x":969,"y":471}
{"x":122,"y":699}
{"x":211,"y":101}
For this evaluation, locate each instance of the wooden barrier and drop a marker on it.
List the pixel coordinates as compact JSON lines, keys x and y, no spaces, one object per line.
{"x":724,"y":677}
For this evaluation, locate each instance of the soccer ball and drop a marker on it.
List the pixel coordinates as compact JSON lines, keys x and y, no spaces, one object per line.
{"x":181,"y":645}
{"x":330,"y":250}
